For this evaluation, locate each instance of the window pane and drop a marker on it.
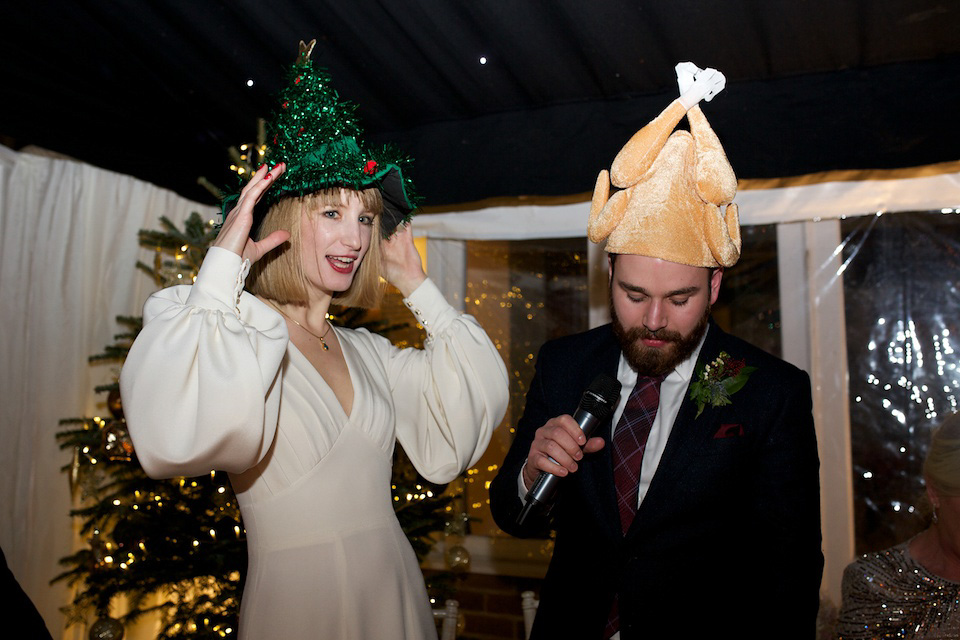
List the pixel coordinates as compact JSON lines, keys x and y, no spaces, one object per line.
{"x":523,"y":293}
{"x":901,"y":314}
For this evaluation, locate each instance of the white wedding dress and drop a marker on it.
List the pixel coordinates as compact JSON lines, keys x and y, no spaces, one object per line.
{"x":213,"y":382}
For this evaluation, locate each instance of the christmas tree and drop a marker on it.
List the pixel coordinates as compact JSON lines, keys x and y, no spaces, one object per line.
{"x":177,"y":547}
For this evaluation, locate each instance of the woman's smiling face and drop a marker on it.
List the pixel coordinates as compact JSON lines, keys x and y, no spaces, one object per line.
{"x":335,"y":238}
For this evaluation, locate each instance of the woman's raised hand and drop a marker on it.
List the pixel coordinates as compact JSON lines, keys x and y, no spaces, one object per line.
{"x":401,"y":263}
{"x":235,"y":233}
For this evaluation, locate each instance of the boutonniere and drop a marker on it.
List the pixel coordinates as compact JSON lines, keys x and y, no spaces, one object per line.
{"x":717,"y":381}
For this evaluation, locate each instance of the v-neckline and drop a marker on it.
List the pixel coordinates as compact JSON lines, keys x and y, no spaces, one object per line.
{"x":346,"y":360}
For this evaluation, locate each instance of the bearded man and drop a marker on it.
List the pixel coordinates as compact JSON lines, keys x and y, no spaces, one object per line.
{"x":693,"y":512}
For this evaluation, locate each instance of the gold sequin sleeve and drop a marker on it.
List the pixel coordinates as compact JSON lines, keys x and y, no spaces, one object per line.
{"x":888,"y":594}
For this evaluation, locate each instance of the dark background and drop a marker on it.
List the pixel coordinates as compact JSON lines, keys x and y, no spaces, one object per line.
{"x":158,"y":89}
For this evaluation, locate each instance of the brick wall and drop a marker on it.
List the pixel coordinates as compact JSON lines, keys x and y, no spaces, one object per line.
{"x":490,"y":605}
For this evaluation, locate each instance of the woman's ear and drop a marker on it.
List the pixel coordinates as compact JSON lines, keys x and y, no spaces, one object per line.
{"x":932,"y":494}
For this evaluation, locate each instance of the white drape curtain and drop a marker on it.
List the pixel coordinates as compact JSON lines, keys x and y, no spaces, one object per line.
{"x":68,"y":245}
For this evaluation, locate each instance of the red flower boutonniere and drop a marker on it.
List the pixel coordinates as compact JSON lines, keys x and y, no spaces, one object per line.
{"x":370,"y":168}
{"x":717,"y":381}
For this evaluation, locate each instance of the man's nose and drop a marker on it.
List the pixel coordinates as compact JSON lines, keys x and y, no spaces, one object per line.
{"x":655,"y":318}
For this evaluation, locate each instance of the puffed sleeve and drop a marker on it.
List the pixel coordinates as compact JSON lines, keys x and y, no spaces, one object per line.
{"x":200,"y":385}
{"x":450,"y":395}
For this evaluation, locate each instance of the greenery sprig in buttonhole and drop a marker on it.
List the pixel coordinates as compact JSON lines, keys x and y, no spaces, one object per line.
{"x":717,"y":381}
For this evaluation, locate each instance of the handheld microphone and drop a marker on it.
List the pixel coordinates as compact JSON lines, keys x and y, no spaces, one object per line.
{"x":596,"y":405}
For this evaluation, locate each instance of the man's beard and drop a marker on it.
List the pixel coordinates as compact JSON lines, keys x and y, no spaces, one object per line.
{"x":651,"y":361}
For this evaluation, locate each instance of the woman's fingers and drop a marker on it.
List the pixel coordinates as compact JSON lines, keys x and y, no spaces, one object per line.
{"x":236,"y":226}
{"x":235,"y":233}
{"x":247,"y":198}
{"x":262,"y":180}
{"x":402,"y":266}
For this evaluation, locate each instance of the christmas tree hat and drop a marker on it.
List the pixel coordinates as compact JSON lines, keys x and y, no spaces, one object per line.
{"x":317,"y":135}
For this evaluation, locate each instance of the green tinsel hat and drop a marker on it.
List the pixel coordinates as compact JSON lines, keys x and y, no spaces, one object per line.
{"x":319,"y":138}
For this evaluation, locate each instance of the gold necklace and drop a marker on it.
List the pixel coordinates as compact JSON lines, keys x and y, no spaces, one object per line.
{"x":320,"y":338}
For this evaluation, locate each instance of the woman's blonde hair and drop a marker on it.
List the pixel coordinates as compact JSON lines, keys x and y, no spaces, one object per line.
{"x":941,"y":467}
{"x":279,"y":275}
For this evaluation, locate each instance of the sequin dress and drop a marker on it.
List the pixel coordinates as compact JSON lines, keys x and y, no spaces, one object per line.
{"x":888,"y":594}
{"x":213,"y":382}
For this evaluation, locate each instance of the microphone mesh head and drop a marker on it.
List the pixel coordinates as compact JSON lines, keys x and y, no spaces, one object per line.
{"x":601,"y":396}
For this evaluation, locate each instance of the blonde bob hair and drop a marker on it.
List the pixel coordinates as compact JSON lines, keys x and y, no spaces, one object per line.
{"x":941,"y":467}
{"x":279,"y":275}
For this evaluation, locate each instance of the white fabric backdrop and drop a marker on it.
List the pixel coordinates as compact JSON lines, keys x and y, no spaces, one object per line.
{"x":68,"y":245}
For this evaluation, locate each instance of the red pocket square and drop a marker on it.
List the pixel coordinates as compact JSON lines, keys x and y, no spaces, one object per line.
{"x":729,"y":431}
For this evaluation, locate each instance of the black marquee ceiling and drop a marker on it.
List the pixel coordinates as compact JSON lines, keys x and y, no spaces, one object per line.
{"x":158,"y":89}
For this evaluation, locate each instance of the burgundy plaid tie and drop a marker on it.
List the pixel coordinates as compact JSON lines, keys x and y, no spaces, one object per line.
{"x":629,"y":443}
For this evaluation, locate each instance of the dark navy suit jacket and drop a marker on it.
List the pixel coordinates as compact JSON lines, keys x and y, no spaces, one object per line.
{"x":727,"y":539}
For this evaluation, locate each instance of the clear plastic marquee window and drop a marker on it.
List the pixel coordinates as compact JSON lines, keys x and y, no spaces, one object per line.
{"x":903,"y":332}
